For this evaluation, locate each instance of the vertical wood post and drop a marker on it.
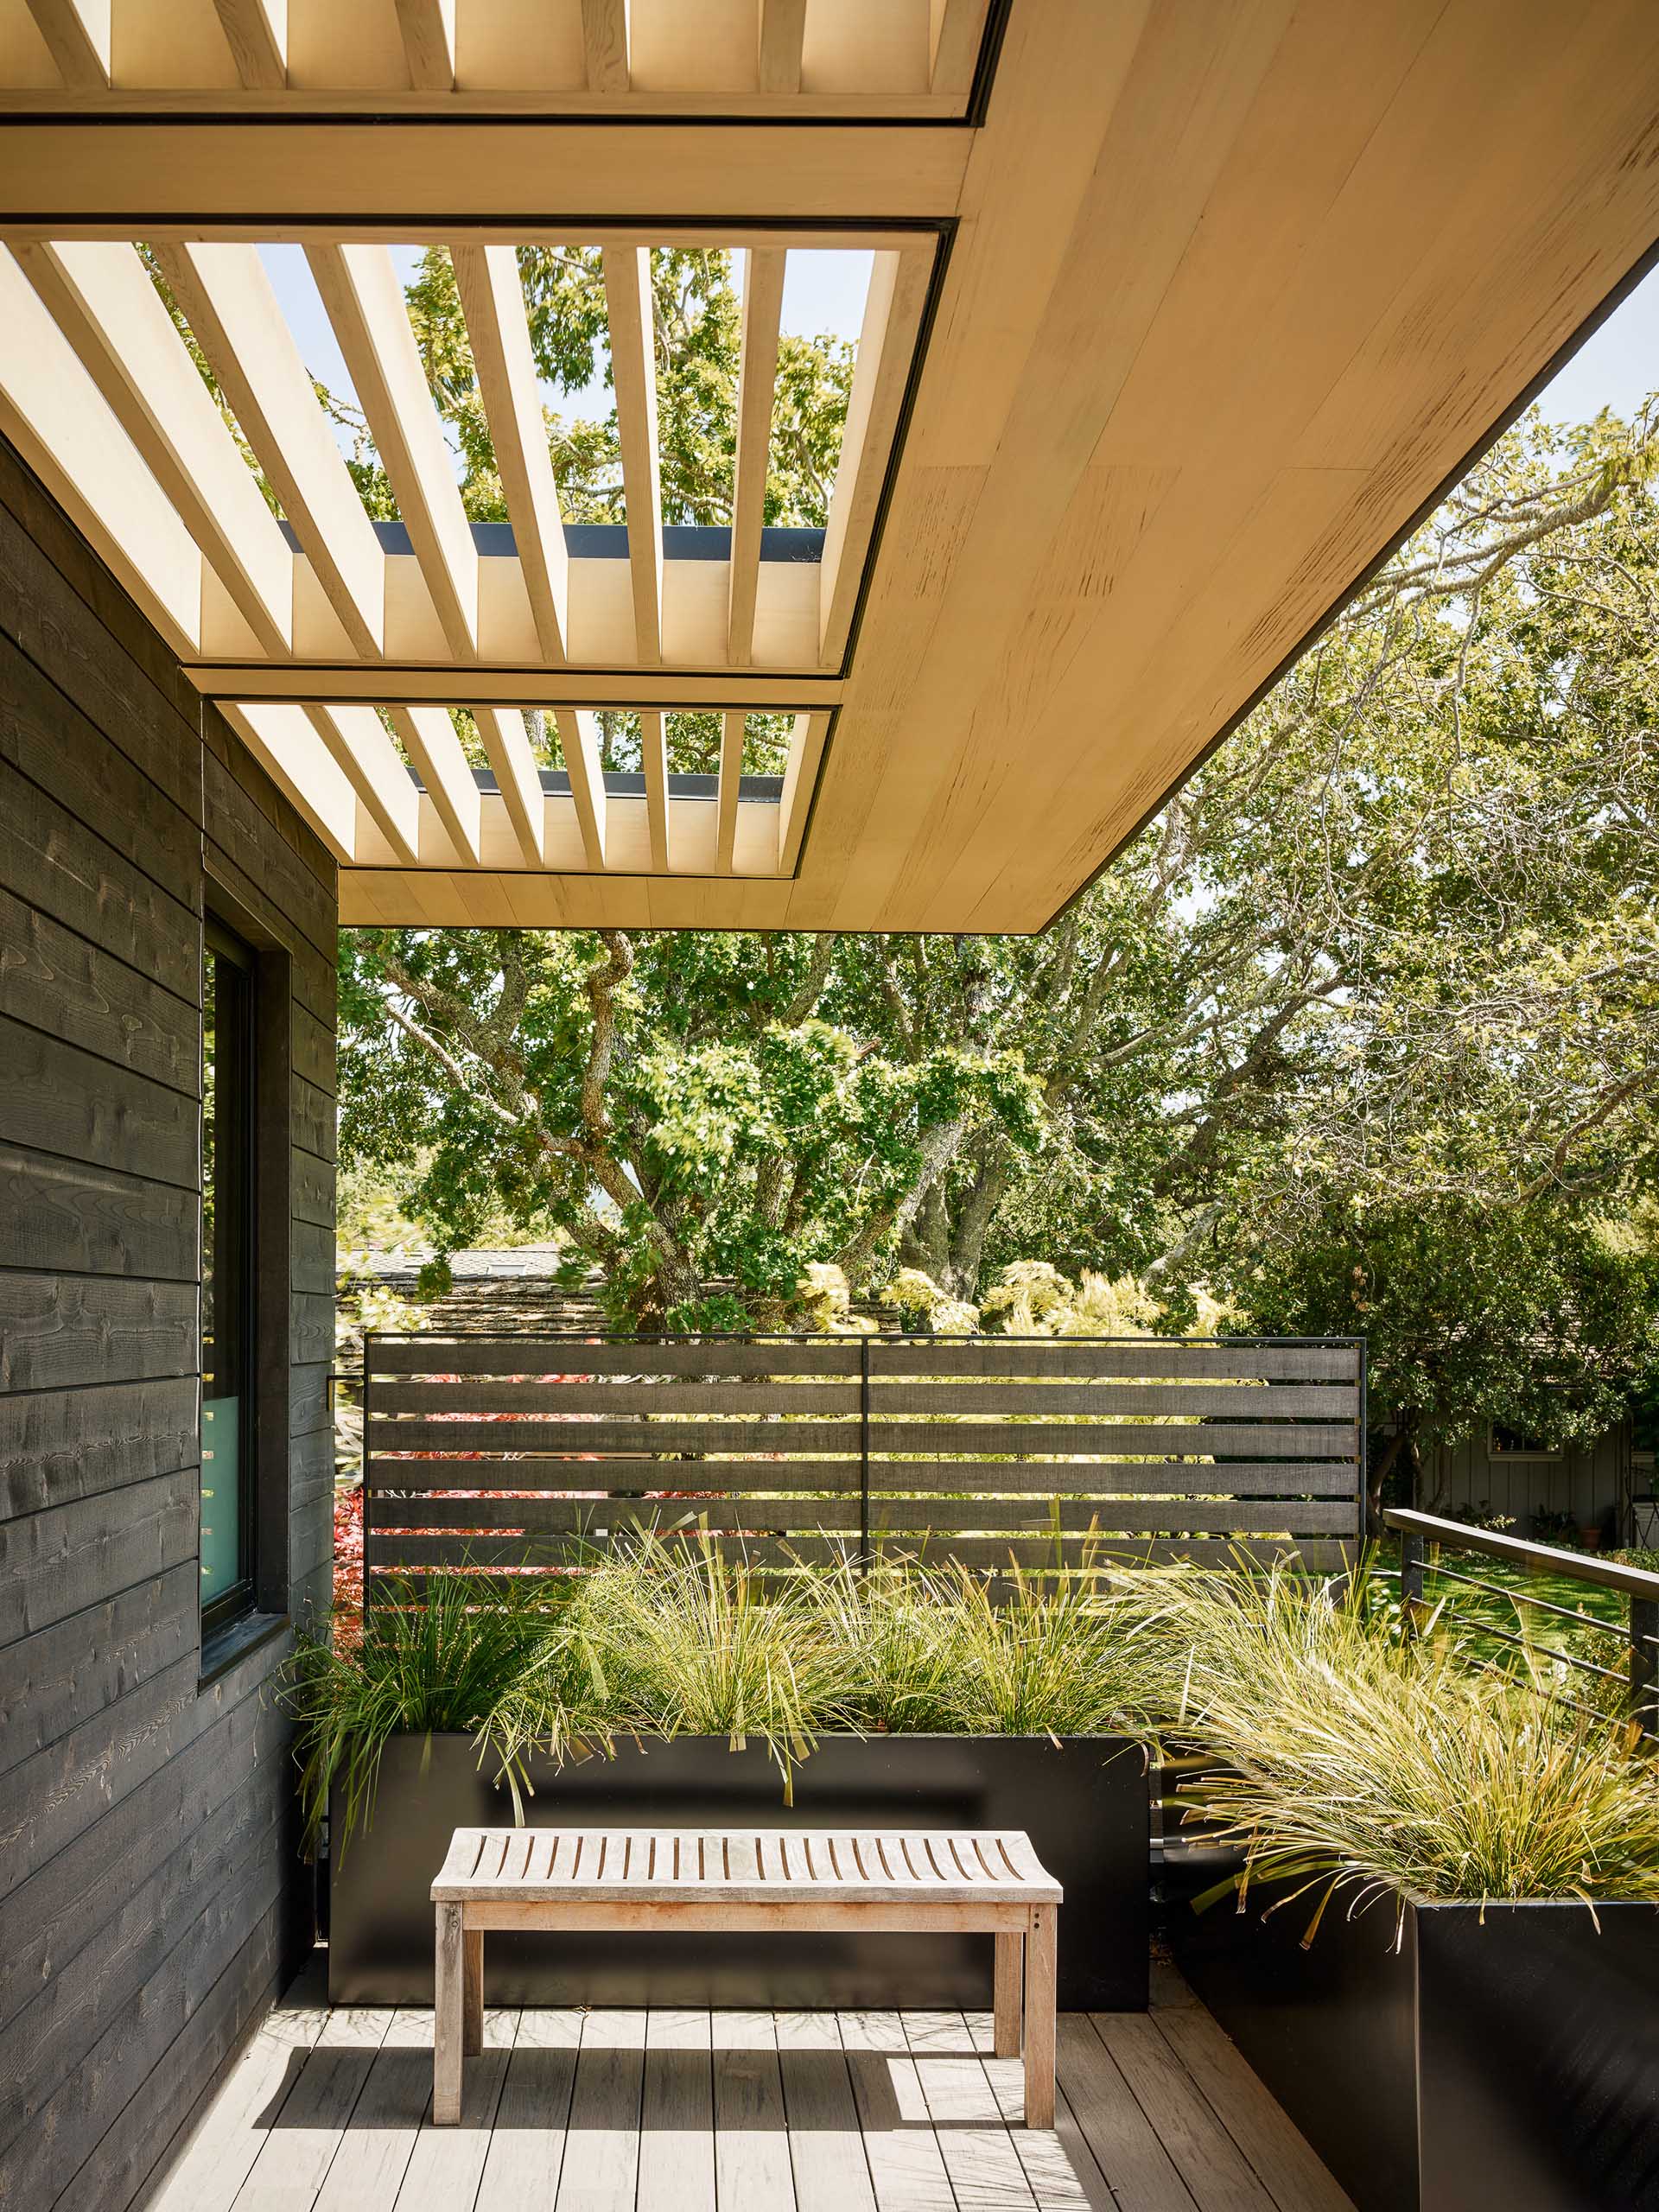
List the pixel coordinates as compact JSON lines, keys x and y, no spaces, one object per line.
{"x":1040,"y":1978}
{"x":447,"y":2032}
{"x":1644,"y":1667}
{"x":1008,"y":1999}
{"x":471,"y":2037}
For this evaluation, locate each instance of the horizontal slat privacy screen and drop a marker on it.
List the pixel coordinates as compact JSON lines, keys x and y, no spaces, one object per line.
{"x":1041,"y":1451}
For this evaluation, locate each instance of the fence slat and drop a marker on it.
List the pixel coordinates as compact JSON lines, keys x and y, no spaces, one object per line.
{"x":1064,"y":1452}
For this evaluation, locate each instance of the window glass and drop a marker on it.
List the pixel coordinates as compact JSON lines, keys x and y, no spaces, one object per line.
{"x":226,"y":1279}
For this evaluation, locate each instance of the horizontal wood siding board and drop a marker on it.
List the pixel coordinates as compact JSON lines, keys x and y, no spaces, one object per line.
{"x":52,"y":1681}
{"x":56,"y":1098}
{"x":764,"y":1396}
{"x":1305,"y":1516}
{"x":1121,"y":1477}
{"x":958,"y":1441}
{"x":714,"y":1358}
{"x":69,"y":1215}
{"x":58,"y":1331}
{"x":56,"y":1446}
{"x":249,"y":840}
{"x":760,"y":1397}
{"x":48,"y":740}
{"x":59,"y":1563}
{"x":63,"y":869}
{"x":1147,"y":1360}
{"x":545,"y":1515}
{"x":617,"y":1477}
{"x":57,"y":982}
{"x":991,"y":1555}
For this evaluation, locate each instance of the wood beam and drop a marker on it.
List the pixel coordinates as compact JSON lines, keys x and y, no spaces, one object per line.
{"x":137,"y":177}
{"x":365,"y":300}
{"x":763,"y":303}
{"x":731,"y":775}
{"x":430,"y":739}
{"x":886,"y":343}
{"x":54,"y":414}
{"x":517,"y":777}
{"x":420,"y":682}
{"x":633,"y":372}
{"x":781,"y":28}
{"x":77,"y":33}
{"x":373,"y":766}
{"x":493,"y":301}
{"x":428,"y":29}
{"x":806,"y":742}
{"x":605,"y":44}
{"x":291,"y":752}
{"x":955,"y":31}
{"x":579,"y":741}
{"x":227,"y":299}
{"x":256,"y":33}
{"x":653,"y":748}
{"x":102,"y":299}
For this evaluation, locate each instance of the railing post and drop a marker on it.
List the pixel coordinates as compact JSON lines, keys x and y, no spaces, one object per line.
{"x":1645,"y":1663}
{"x":864,"y":1454}
{"x":1412,"y":1555}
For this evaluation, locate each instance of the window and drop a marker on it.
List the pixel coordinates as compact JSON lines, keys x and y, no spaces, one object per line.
{"x":227,"y":1305}
{"x":1520,"y":1443}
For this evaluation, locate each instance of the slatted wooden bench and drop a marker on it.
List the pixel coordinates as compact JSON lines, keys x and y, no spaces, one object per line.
{"x":982,"y":1881}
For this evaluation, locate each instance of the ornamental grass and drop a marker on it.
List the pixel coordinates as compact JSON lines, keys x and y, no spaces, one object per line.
{"x":1356,"y":1758}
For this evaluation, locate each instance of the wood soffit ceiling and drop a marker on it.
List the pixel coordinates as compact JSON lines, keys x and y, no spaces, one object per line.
{"x":1180,"y":312}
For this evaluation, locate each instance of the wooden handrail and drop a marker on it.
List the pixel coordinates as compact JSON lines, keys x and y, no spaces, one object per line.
{"x":1580,"y":1566}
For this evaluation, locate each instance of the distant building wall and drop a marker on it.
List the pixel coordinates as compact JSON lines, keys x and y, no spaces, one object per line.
{"x":1588,"y":1481}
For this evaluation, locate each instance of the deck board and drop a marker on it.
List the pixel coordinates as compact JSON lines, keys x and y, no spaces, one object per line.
{"x":678,"y":2110}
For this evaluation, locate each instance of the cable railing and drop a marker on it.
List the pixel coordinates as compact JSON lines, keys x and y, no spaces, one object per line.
{"x":1615,"y":1645}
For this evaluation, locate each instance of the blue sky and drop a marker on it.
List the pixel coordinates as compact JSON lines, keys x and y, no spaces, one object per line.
{"x":1617,"y":367}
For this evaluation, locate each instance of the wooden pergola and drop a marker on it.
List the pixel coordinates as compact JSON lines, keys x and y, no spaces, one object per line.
{"x":1180,"y":312}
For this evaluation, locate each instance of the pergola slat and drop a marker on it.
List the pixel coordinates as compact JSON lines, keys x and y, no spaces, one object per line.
{"x":51,"y":410}
{"x":372,"y":766}
{"x":428,"y":27}
{"x":605,"y":45}
{"x":892,"y":312}
{"x":102,"y":299}
{"x":579,"y":738}
{"x":955,"y":30}
{"x":634,"y":370}
{"x":731,"y":777}
{"x":77,"y":33}
{"x":806,"y":743}
{"x":256,"y":33}
{"x":227,"y":299}
{"x":292,"y":753}
{"x":493,"y":301}
{"x":365,"y":300}
{"x":430,"y":739}
{"x":654,"y":746}
{"x":783,"y":25}
{"x":507,"y":744}
{"x":763,"y":301}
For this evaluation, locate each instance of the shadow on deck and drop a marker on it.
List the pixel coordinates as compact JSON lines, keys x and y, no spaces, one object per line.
{"x":753,"y":2112}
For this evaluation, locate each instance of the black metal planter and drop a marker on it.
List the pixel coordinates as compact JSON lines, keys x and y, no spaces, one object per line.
{"x":1083,"y":1803}
{"x":1508,"y":2057}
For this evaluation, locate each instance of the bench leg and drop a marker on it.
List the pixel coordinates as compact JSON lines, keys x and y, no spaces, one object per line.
{"x":471,"y":2037}
{"x":1040,"y":2017}
{"x":447,"y":2033}
{"x":1010,"y":1974}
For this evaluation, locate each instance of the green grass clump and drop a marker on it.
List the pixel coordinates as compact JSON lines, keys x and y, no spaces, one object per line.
{"x":1356,"y":1758}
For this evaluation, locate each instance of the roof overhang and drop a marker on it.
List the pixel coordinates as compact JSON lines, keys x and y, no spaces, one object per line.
{"x":1180,"y":315}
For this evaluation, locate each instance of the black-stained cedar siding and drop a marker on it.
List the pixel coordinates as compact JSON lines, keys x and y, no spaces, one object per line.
{"x":150,"y":1894}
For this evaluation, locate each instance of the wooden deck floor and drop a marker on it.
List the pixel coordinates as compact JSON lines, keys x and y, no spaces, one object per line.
{"x":741,"y":2112}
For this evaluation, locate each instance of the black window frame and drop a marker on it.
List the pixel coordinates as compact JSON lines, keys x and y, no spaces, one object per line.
{"x":231,"y":952}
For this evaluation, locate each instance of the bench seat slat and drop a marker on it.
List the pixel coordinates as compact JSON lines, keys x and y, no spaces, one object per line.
{"x":571,"y":1865}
